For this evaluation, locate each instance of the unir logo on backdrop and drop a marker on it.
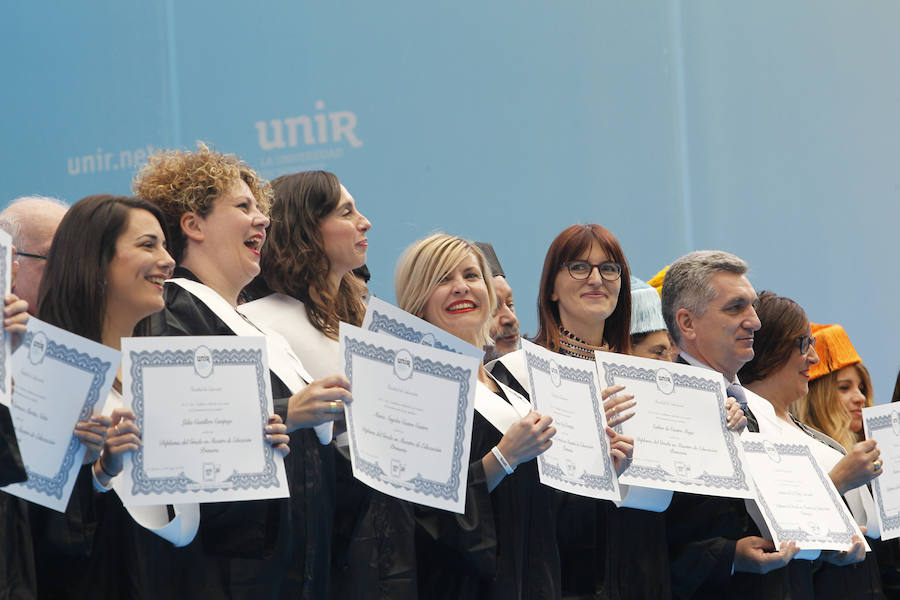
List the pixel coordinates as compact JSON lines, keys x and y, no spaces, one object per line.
{"x":319,"y":128}
{"x":317,"y":138}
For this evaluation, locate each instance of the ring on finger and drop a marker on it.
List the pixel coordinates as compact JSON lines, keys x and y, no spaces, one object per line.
{"x":334,"y":406}
{"x":876,"y":464}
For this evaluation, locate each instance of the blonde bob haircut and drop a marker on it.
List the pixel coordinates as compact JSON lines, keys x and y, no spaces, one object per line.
{"x":822,"y":409}
{"x":424,"y":265}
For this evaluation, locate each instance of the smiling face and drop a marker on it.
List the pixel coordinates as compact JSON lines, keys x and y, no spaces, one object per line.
{"x":852,"y":395}
{"x":344,"y":236}
{"x":585,"y":303}
{"x":722,"y":337}
{"x":233,"y":234}
{"x":460,"y":303}
{"x":792,"y":378}
{"x":136,"y":273}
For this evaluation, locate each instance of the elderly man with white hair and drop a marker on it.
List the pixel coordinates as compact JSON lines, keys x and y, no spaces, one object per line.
{"x":32,"y":222}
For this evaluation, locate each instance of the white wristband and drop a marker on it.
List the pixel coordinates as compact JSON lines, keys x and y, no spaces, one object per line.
{"x":502,"y":460}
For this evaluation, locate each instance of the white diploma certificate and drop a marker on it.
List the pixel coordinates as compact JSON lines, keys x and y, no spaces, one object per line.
{"x":6,"y":367}
{"x":795,"y":497}
{"x":387,"y":318}
{"x":681,"y":439}
{"x":410,"y":422}
{"x":882,"y":424}
{"x":59,"y":379}
{"x":202,"y":404}
{"x":567,"y":389}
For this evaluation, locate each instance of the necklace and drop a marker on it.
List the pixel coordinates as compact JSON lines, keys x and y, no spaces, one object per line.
{"x":572,"y":345}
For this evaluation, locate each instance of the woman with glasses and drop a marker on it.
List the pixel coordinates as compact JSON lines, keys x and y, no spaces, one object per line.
{"x":584,"y":307}
{"x":776,"y":379}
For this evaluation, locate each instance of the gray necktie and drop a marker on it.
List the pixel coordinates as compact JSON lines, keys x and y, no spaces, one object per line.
{"x":736,"y":391}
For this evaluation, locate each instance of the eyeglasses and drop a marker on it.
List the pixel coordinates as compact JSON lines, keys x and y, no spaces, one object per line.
{"x":582,"y":269}
{"x":805,"y":342}
{"x":30,"y":255}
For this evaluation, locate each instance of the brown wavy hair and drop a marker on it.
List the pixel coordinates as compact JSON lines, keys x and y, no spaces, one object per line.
{"x":571,"y":243}
{"x":294,"y":262}
{"x":72,"y":294}
{"x":783,"y":321}
{"x":181,"y":181}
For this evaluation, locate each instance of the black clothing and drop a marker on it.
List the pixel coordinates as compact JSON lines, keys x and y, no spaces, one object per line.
{"x":605,"y":551}
{"x":260,"y":548}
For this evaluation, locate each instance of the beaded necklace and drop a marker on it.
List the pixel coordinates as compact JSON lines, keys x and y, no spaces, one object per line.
{"x":572,"y":345}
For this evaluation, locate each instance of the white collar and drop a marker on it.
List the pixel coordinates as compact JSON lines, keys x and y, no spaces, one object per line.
{"x":693,"y":361}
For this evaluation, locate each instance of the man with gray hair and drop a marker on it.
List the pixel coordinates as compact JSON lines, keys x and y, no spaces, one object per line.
{"x":707,"y":303}
{"x":32,"y":223}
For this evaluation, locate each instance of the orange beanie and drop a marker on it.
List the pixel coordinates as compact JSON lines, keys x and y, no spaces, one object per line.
{"x":834,"y":349}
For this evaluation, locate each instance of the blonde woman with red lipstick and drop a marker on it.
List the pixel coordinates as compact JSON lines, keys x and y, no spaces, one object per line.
{"x":504,"y":545}
{"x":216,"y":212}
{"x":785,"y":356}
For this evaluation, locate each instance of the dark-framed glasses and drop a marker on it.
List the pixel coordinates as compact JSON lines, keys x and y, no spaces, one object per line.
{"x":30,"y":255}
{"x":582,"y":269}
{"x":805,"y":342}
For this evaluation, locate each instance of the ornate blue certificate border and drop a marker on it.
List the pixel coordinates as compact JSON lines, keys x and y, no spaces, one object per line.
{"x":891,"y":521}
{"x":385,"y":324}
{"x":738,"y":480}
{"x":449,"y":489}
{"x":799,"y":535}
{"x":97,"y":369}
{"x":143,"y":483}
{"x":606,"y":481}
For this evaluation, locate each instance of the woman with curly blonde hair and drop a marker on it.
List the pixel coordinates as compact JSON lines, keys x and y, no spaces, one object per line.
{"x":216,"y":212}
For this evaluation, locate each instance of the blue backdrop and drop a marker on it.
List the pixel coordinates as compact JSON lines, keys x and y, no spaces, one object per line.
{"x":766,"y":129}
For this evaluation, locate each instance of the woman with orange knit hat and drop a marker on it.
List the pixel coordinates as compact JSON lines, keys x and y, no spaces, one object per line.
{"x":839,"y":388}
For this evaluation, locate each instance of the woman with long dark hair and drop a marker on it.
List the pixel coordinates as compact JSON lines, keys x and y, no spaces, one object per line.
{"x":316,"y":238}
{"x":102,"y":281}
{"x":306,"y":287}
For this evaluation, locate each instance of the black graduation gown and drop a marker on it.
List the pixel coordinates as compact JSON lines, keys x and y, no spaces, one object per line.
{"x":17,"y":574}
{"x":791,"y":582}
{"x":703,"y":532}
{"x":524,"y":511}
{"x":253,"y":549}
{"x":605,"y":551}
{"x":17,"y":578}
{"x":373,"y":548}
{"x":11,"y":468}
{"x":803,"y":579}
{"x":456,"y":553}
